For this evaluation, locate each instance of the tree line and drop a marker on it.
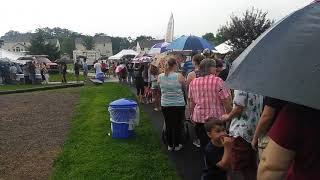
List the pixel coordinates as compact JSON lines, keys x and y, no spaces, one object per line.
{"x":240,"y":31}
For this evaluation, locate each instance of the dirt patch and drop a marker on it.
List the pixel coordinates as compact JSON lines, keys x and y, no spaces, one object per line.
{"x":33,"y":127}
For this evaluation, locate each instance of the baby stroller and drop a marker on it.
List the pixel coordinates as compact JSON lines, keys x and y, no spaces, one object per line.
{"x":185,"y":135}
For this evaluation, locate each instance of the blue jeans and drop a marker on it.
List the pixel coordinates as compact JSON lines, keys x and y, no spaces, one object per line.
{"x":32,"y":77}
{"x":130,"y":78}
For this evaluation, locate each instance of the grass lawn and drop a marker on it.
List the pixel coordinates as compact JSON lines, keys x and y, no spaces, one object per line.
{"x":55,"y":77}
{"x":89,"y":153}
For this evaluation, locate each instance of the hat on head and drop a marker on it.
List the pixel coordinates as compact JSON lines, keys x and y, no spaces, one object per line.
{"x":206,"y":51}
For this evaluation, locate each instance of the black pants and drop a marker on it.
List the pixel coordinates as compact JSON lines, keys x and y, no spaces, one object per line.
{"x":173,"y":117}
{"x":139,"y":85}
{"x":202,"y":135}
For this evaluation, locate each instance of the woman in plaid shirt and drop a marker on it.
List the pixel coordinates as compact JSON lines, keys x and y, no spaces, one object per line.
{"x":209,"y":98}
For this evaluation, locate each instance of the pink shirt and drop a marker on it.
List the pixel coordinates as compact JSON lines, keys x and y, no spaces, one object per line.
{"x":207,"y":93}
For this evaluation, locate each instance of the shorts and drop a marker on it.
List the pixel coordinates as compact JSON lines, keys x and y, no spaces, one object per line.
{"x":146,"y":83}
{"x":243,"y":157}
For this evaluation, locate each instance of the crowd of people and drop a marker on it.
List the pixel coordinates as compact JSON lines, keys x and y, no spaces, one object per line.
{"x":241,"y":135}
{"x":10,"y":72}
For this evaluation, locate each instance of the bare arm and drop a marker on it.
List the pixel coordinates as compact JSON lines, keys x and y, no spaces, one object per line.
{"x":275,"y":162}
{"x":182,"y":80}
{"x":235,"y":112}
{"x":226,"y":159}
{"x":227,"y":103}
{"x":264,"y":124}
{"x":191,"y":76}
{"x":191,"y":106}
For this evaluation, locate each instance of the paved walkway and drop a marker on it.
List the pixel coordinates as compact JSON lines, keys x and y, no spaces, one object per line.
{"x":188,"y":162}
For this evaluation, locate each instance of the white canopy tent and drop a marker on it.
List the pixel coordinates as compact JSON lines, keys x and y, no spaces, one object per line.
{"x":124,"y":52}
{"x":10,"y":55}
{"x":223,"y":48}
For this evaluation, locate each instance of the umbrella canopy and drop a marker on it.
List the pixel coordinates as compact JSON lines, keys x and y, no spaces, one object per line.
{"x":159,"y":61}
{"x":284,"y":61}
{"x":159,"y":48}
{"x":119,"y":68}
{"x":223,"y":48}
{"x":192,"y":43}
{"x":142,"y":59}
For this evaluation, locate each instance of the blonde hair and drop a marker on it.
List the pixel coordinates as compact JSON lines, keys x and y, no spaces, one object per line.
{"x":169,"y":65}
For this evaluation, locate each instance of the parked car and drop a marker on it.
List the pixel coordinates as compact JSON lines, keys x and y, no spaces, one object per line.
{"x":52,"y":67}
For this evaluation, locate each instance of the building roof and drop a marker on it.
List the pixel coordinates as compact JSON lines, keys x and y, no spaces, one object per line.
{"x":24,"y":37}
{"x":97,"y":39}
{"x":149,"y":43}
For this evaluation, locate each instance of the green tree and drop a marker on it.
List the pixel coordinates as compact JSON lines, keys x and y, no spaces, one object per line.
{"x":119,"y":43}
{"x":215,"y":39}
{"x":1,"y":43}
{"x":141,"y":38}
{"x":12,"y":33}
{"x":67,"y":46}
{"x":39,"y":46}
{"x":243,"y":30}
{"x":88,"y":42}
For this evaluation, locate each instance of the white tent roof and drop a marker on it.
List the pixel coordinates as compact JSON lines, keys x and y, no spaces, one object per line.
{"x":122,"y":53}
{"x":10,"y":55}
{"x":223,"y":48}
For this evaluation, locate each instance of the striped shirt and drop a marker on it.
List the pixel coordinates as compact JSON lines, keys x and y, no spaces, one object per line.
{"x":207,"y":93}
{"x":187,"y":67}
{"x":171,"y":90}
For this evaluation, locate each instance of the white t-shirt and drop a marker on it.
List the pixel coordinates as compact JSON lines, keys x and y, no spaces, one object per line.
{"x":97,"y":66}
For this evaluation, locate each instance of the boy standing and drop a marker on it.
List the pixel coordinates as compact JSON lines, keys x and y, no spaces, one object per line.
{"x":217,"y":152}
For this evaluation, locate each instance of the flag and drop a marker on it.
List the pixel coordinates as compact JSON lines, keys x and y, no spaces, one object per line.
{"x":170,"y":30}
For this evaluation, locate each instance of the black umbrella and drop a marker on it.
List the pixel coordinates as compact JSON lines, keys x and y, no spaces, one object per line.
{"x":284,"y":62}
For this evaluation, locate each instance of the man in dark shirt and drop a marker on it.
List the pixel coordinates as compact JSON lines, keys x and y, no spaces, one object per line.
{"x":77,"y":67}
{"x":217,"y":152}
{"x":221,"y":72}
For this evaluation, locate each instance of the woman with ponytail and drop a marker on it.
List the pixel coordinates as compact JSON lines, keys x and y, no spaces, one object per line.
{"x":172,"y":103}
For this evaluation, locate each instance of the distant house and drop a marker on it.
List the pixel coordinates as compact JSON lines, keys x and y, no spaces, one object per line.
{"x":102,"y":44}
{"x":16,"y":43}
{"x":145,"y":45}
{"x":20,"y":42}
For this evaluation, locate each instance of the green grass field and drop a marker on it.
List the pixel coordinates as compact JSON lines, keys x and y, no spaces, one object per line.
{"x":90,"y":153}
{"x":55,"y":77}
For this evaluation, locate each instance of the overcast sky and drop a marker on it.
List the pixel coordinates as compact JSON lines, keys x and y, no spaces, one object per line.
{"x":133,"y":17}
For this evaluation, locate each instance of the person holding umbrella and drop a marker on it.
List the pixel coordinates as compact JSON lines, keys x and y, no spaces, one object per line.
{"x":293,"y":145}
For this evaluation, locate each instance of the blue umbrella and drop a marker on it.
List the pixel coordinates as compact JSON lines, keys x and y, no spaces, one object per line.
{"x":283,"y":62}
{"x":192,"y":43}
{"x":159,"y":48}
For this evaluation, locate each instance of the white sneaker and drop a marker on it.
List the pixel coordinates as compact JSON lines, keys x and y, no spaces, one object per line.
{"x":178,"y":148}
{"x":170,"y":148}
{"x":197,"y":143}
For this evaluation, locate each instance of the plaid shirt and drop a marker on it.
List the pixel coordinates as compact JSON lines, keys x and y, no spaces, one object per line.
{"x":207,"y":93}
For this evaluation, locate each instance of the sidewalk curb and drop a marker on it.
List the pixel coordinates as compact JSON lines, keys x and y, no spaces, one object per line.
{"x":41,"y":88}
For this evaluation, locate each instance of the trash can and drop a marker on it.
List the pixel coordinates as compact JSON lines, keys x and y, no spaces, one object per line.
{"x":100,"y":77}
{"x":124,"y":115}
